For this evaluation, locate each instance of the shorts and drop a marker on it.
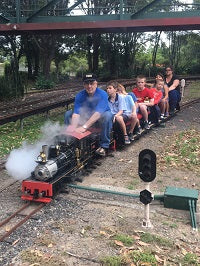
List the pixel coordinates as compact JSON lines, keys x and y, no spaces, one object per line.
{"x":125,"y":117}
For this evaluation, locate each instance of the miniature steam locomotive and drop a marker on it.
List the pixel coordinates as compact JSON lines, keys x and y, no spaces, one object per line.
{"x":58,"y":163}
{"x":64,"y":160}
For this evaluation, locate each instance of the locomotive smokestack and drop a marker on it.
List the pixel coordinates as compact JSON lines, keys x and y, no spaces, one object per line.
{"x":45,"y":150}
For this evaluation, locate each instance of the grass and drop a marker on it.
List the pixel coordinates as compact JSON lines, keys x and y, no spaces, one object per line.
{"x":131,"y":258}
{"x":12,"y":136}
{"x":113,"y":261}
{"x":36,"y":257}
{"x":144,"y":258}
{"x":171,"y":225}
{"x":125,"y":239}
{"x":193,"y":90}
{"x":151,"y":256}
{"x":190,"y":259}
{"x":154,"y":239}
{"x":133,"y":184}
{"x":183,"y":150}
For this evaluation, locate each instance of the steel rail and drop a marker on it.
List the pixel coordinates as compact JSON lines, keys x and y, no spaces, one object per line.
{"x":14,"y":214}
{"x":19,"y":115}
{"x":60,"y":92}
{"x":30,"y":112}
{"x":22,"y":221}
{"x":23,"y":104}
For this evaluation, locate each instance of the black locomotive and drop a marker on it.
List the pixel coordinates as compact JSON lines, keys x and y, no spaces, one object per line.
{"x":58,"y":163}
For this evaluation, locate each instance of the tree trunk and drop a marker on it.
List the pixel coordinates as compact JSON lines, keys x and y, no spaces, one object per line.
{"x":155,"y":49}
{"x":96,"y":45}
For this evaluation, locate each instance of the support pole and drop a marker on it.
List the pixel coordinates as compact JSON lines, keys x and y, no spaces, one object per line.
{"x":121,"y":9}
{"x":47,"y":114}
{"x":146,"y":222}
{"x":18,"y":11}
{"x":192,"y":214}
{"x":21,"y":124}
{"x":182,"y":87}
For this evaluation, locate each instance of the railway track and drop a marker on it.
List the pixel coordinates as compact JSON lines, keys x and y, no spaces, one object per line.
{"x":40,"y":102}
{"x":14,"y":221}
{"x":39,"y":105}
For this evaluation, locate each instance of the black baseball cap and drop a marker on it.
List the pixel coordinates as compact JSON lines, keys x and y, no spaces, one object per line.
{"x":89,"y":77}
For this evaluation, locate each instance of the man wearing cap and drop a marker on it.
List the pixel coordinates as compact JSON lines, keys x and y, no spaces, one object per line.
{"x":90,"y":106}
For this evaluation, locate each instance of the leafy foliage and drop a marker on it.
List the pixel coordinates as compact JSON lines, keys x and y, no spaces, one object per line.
{"x":11,"y":83}
{"x":42,"y":83}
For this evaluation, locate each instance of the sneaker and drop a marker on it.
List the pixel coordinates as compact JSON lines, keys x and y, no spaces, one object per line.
{"x":162,"y":116}
{"x":146,"y":125}
{"x":138,"y":131}
{"x":131,"y":136}
{"x":126,"y":139}
{"x":166,"y":114}
{"x":101,"y":151}
{"x":171,"y":111}
{"x":178,"y":107}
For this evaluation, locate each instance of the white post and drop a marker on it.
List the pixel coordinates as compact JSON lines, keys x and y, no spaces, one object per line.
{"x":182,"y":87}
{"x":146,"y":222}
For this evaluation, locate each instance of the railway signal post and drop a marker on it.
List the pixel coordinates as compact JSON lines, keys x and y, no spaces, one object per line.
{"x":147,"y":172}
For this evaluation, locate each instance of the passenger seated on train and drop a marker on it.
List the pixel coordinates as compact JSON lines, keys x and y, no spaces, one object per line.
{"x":131,"y":109}
{"x":164,"y":103}
{"x":118,"y":108}
{"x":90,"y":106}
{"x":144,"y":98}
{"x":157,"y":96}
{"x":172,"y":82}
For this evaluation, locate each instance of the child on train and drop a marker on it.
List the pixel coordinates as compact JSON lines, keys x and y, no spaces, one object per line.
{"x":118,"y":108}
{"x":144,"y":98}
{"x":157,"y":96}
{"x":164,"y":103}
{"x":131,"y":110}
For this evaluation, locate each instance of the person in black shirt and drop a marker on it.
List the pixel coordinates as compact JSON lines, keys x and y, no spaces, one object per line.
{"x":172,"y":82}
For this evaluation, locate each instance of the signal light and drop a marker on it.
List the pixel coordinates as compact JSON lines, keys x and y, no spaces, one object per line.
{"x":146,"y":196}
{"x":147,"y":165}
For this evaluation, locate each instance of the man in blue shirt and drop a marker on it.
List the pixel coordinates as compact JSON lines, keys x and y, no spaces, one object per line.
{"x":90,"y":106}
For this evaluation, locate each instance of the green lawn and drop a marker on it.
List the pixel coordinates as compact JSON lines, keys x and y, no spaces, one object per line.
{"x":12,"y":137}
{"x":193,"y":90}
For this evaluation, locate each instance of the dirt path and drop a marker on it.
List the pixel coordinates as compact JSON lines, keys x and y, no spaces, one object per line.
{"x":80,"y":228}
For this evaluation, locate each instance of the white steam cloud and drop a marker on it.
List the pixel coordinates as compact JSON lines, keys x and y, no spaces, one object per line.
{"x":21,"y":162}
